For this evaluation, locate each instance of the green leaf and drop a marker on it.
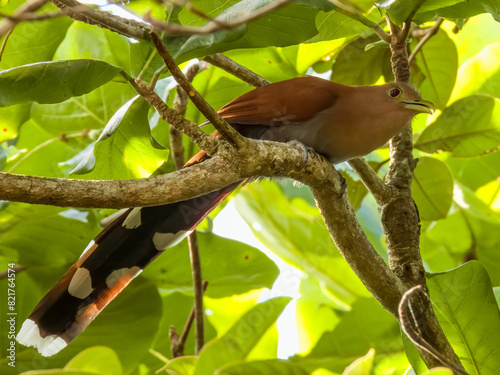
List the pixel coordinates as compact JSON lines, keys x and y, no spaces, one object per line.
{"x":451,"y":9}
{"x":266,"y":367}
{"x":469,"y":127}
{"x":288,"y":227}
{"x":334,"y":25}
{"x":53,"y":81}
{"x":89,"y":42}
{"x":39,"y":152}
{"x":32,"y":42}
{"x":241,"y":338}
{"x":475,"y":172}
{"x":432,"y":188}
{"x":369,"y":64}
{"x":361,"y":366}
{"x":354,"y":336}
{"x":480,"y":74}
{"x":89,"y":111}
{"x":123,"y":150}
{"x":181,"y":365}
{"x":176,"y":310}
{"x":439,"y":371}
{"x":357,"y":332}
{"x":438,"y":60}
{"x":230,"y":267}
{"x":11,"y":118}
{"x":468,"y":313}
{"x":44,"y":235}
{"x":292,"y":24}
{"x":458,"y":9}
{"x":96,"y":360}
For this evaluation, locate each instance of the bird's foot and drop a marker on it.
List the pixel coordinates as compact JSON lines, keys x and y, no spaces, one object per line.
{"x":306,"y":149}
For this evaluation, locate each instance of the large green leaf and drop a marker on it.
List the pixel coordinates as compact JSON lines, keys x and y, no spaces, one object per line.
{"x":39,"y":151}
{"x":475,"y":172}
{"x":230,"y":267}
{"x":432,"y":188}
{"x":452,"y":9}
{"x":32,"y":42}
{"x":468,"y":313}
{"x":469,"y":127}
{"x":89,"y":42}
{"x":123,"y":150}
{"x":438,"y":60}
{"x":11,"y":118}
{"x":236,"y":343}
{"x":295,"y":231}
{"x":292,"y":24}
{"x":53,"y":81}
{"x":44,"y":235}
{"x":98,"y":360}
{"x":480,"y":74}
{"x":266,"y":367}
{"x":370,"y":64}
{"x":353,"y":337}
{"x":334,"y":25}
{"x":89,"y":111}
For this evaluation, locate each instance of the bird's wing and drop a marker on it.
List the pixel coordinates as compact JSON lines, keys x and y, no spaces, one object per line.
{"x":290,"y":101}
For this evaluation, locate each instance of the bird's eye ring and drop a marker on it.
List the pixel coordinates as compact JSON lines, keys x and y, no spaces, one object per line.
{"x":395,"y":92}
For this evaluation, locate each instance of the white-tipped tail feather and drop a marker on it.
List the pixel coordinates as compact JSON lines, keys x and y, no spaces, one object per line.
{"x":29,"y":335}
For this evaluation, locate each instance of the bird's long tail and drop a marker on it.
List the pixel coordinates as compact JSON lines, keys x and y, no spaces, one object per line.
{"x":110,"y":261}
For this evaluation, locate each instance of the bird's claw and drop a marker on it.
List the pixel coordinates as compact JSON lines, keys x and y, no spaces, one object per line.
{"x":306,"y":149}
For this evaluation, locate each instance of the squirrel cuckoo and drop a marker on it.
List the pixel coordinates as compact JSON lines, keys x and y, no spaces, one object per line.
{"x":337,"y":121}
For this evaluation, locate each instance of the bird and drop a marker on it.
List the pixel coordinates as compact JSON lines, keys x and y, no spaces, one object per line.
{"x":337,"y":121}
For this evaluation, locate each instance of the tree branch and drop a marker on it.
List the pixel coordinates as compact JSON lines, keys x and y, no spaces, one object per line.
{"x":234,"y":138}
{"x":430,"y":32}
{"x":400,"y":219}
{"x":8,"y":24}
{"x":371,"y":180}
{"x":239,"y":71}
{"x":215,"y":24}
{"x":120,"y":25}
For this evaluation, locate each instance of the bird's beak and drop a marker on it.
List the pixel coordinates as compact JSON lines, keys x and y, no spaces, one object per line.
{"x":419,"y":105}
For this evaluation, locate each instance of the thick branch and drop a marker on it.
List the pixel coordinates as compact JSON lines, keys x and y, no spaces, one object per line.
{"x":260,"y":158}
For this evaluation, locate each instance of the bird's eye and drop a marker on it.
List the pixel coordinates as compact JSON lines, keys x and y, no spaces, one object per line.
{"x":395,"y":92}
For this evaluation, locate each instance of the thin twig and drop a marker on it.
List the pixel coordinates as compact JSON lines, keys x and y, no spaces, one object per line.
{"x":28,"y":7}
{"x":199,"y":315}
{"x":178,"y":342}
{"x":180,"y":104}
{"x":214,"y":25}
{"x":198,"y":136}
{"x":239,"y":71}
{"x":120,"y":25}
{"x":370,"y":179}
{"x":410,"y":328}
{"x":31,"y":16}
{"x":350,"y":11}
{"x":234,"y":138}
{"x":4,"y":43}
{"x":430,"y":33}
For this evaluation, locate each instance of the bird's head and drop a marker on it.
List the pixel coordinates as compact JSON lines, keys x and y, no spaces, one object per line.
{"x":408,"y":97}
